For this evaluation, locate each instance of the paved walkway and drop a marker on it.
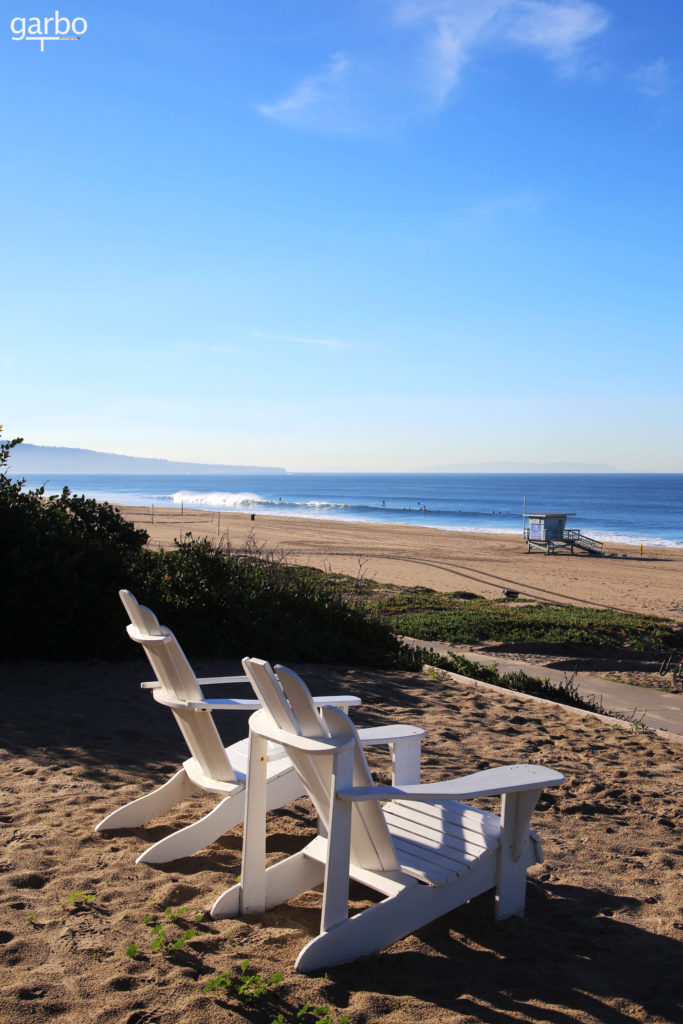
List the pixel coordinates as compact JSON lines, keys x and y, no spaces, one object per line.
{"x":657,"y":709}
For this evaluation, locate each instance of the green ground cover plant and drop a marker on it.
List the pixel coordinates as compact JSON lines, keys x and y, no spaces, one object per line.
{"x":429,"y":615}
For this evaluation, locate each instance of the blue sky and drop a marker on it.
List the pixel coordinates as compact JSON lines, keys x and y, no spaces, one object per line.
{"x":330,"y":234}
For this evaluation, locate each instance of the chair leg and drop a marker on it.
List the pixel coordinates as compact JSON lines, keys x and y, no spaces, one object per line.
{"x":186,"y":841}
{"x":396,"y":916}
{"x":152,"y":805}
{"x":515,"y":854}
{"x":284,"y":880}
{"x":373,"y":929}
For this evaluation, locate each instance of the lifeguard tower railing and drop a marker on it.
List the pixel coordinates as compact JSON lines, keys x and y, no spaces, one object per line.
{"x":582,"y":541}
{"x":547,"y":532}
{"x":570,"y":538}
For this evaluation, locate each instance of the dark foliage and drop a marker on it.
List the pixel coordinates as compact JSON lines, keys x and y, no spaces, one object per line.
{"x":64,"y":558}
{"x":229,"y":603}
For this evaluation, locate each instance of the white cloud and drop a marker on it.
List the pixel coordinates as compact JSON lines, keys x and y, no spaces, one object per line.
{"x":418,"y":56}
{"x":315,"y":101}
{"x":321,"y":342}
{"x":456,"y":29}
{"x":652,"y":79}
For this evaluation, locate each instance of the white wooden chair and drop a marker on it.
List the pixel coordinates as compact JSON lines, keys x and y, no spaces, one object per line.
{"x":426,"y":852}
{"x":212,"y":767}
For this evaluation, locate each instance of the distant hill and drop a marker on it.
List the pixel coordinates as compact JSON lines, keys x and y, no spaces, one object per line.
{"x":36,"y":458}
{"x":523,"y":467}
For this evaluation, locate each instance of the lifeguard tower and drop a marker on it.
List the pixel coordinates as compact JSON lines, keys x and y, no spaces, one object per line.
{"x":547,"y":531}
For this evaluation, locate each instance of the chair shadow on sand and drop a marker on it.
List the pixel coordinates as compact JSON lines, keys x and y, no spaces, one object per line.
{"x":586,"y":962}
{"x":580,"y":958}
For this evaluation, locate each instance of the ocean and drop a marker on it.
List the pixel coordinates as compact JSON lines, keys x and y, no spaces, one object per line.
{"x":625,"y":508}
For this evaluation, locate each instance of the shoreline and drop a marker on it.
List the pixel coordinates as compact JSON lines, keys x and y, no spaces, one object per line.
{"x":627,"y":540}
{"x":440,"y":559}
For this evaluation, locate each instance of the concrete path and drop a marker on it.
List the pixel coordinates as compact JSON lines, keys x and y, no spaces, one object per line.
{"x":657,"y":709}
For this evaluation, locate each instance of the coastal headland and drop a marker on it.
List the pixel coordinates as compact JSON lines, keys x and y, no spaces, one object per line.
{"x":444,"y":560}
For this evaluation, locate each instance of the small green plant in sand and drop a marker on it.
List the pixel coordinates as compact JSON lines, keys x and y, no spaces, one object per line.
{"x":308,"y":1013}
{"x":162,"y":942}
{"x":243,"y":985}
{"x":172,"y":914}
{"x":247,"y":987}
{"x":80,"y":900}
{"x":321,"y":1014}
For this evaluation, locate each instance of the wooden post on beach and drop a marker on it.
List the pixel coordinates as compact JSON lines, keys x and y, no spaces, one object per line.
{"x":152,"y":514}
{"x":218,"y":526}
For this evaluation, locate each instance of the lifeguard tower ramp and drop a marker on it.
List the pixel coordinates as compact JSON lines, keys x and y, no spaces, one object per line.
{"x":546,"y":531}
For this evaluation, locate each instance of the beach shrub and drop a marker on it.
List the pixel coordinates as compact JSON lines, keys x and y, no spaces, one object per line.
{"x":565,"y":692}
{"x":227,"y":603}
{"x":64,"y":558}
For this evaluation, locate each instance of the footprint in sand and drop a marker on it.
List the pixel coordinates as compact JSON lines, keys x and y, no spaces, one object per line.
{"x":29,"y":880}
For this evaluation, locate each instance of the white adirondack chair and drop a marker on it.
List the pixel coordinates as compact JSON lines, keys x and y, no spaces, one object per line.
{"x":425,"y":853}
{"x":211,"y":766}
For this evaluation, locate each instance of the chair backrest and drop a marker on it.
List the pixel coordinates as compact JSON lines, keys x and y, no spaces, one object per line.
{"x":288,"y":702}
{"x":178,"y":683}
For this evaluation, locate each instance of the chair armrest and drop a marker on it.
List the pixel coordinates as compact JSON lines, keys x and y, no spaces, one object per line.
{"x":216,"y":680}
{"x":154,"y":684}
{"x":382,"y":734}
{"x":515,"y":778}
{"x":337,"y":701}
{"x":250,"y":704}
{"x":223,"y":704}
{"x":405,"y":746}
{"x":333,"y":701}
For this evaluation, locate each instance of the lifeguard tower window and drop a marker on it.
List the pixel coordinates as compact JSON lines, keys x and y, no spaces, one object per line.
{"x":547,"y":531}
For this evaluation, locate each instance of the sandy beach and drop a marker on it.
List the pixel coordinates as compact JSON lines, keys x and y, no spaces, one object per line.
{"x":447,"y":560}
{"x":601,"y":941}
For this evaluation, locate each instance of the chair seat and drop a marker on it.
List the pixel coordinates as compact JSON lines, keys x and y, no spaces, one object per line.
{"x":436,"y":842}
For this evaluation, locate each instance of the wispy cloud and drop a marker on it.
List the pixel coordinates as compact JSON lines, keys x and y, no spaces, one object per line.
{"x":454,"y":30}
{"x":496,"y":206}
{"x":652,"y":79}
{"x":316,"y":100}
{"x":297,"y":339}
{"x":418,"y":54}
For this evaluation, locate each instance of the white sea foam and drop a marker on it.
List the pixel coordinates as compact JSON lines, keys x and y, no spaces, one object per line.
{"x":223,"y":499}
{"x":647,"y":542}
